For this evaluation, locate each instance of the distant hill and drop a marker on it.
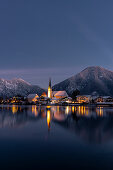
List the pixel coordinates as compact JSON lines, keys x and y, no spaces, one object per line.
{"x":91,"y":79}
{"x":9,"y":88}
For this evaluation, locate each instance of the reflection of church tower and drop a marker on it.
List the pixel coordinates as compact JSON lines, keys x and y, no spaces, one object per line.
{"x":49,"y":89}
{"x":48,"y":118}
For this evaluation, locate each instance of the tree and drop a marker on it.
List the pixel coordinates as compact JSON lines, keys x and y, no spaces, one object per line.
{"x":75,"y":93}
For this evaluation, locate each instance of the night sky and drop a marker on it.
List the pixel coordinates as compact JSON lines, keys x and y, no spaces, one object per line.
{"x":54,"y":38}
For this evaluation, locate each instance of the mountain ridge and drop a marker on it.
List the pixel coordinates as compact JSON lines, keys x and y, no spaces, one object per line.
{"x":14,"y":87}
{"x":93,"y":78}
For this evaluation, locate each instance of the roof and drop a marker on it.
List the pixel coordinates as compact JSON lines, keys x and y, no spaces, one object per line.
{"x":83,"y":96}
{"x":46,"y":98}
{"x":54,"y":98}
{"x":44,"y":94}
{"x":70,"y":98}
{"x":60,"y":93}
{"x":106,"y":97}
{"x":95,"y":97}
{"x":32,"y":95}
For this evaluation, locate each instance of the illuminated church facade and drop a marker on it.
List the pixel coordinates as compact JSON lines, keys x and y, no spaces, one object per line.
{"x":55,"y":94}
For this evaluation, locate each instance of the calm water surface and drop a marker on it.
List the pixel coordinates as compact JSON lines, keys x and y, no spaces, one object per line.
{"x":33,"y":137}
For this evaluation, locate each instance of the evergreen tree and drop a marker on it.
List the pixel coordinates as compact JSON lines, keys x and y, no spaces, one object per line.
{"x":75,"y":93}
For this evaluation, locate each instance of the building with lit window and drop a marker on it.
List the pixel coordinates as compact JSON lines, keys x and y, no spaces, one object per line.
{"x":103,"y":99}
{"x":32,"y":98}
{"x":84,"y":98}
{"x":59,"y":94}
{"x":56,"y":95}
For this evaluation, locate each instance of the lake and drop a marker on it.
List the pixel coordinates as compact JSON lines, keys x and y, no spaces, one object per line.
{"x":57,"y":137}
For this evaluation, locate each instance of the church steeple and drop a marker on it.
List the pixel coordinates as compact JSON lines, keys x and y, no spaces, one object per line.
{"x":49,"y":82}
{"x":49,"y":89}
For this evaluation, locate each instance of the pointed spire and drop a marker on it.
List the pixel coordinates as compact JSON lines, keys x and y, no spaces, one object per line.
{"x":49,"y":82}
{"x":49,"y":89}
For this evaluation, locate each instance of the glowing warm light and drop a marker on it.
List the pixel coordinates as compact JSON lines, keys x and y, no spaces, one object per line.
{"x":48,"y":107}
{"x":34,"y":110}
{"x":83,"y":99}
{"x":82,"y":110}
{"x":99,"y":111}
{"x":13,"y":100}
{"x":48,"y":118}
{"x":58,"y":109}
{"x":49,"y":92}
{"x":73,"y":109}
{"x":79,"y":110}
{"x":67,"y":110}
{"x":87,"y":111}
{"x":35,"y":98}
{"x":14,"y":109}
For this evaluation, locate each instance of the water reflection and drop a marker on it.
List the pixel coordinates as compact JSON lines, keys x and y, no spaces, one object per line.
{"x":48,"y":118}
{"x":91,"y":124}
{"x":99,"y":111}
{"x":34,"y":110}
{"x":14,"y":109}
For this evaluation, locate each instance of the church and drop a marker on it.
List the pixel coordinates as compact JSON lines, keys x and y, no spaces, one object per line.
{"x":49,"y":89}
{"x":56,"y":94}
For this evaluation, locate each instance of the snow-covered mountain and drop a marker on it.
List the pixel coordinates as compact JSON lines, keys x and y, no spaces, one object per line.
{"x":91,"y":79}
{"x":9,"y":88}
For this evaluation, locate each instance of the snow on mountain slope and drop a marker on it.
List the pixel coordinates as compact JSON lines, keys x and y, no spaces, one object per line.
{"x":17,"y":87}
{"x":89,"y":80}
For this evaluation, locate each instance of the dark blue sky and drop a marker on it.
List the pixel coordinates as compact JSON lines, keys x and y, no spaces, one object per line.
{"x":51,"y":35}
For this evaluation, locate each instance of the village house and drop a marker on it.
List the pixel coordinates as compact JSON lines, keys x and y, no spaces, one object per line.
{"x":83,"y":98}
{"x":103,"y":99}
{"x":56,"y":95}
{"x":44,"y":94}
{"x":32,"y":98}
{"x":59,"y":94}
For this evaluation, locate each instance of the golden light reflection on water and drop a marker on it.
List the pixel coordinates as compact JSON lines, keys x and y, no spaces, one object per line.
{"x":87,"y":111}
{"x":58,"y":109}
{"x":81,"y":110}
{"x":34,"y":110}
{"x":67,"y":110}
{"x":73,"y":109}
{"x":48,"y":118}
{"x":14,"y":109}
{"x":58,"y":112}
{"x":99,"y":111}
{"x":48,"y":107}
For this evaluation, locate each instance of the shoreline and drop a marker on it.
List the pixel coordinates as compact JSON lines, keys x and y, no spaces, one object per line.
{"x":68,"y":104}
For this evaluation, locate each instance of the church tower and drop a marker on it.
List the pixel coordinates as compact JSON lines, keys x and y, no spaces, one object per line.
{"x":49,"y":89}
